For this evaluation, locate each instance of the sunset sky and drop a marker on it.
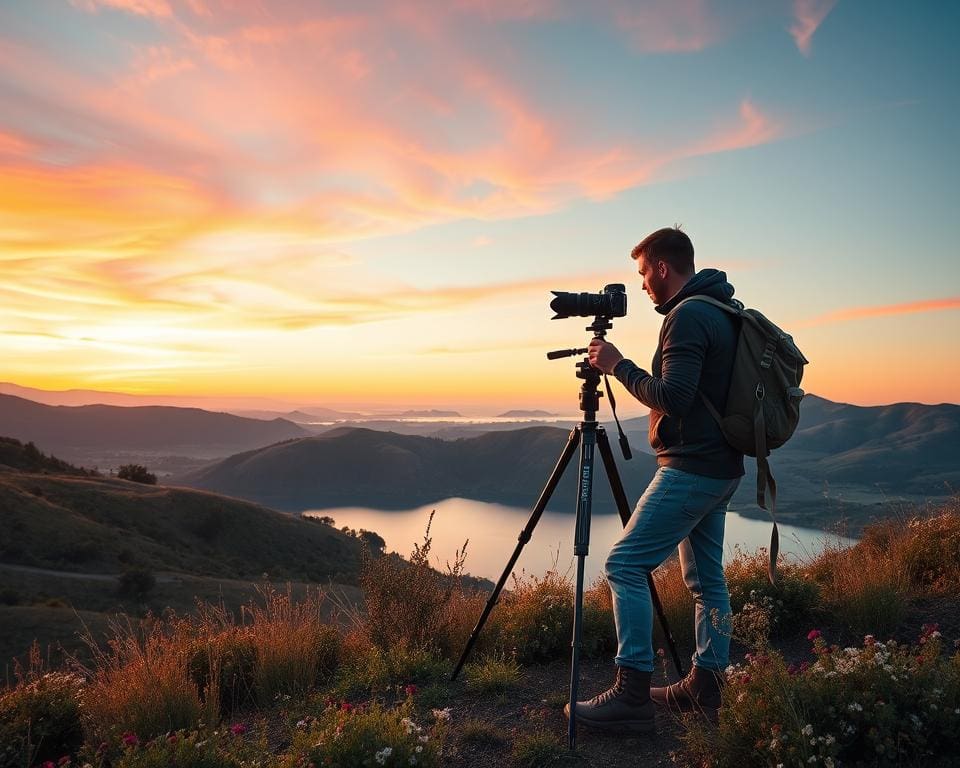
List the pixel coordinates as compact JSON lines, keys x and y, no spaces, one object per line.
{"x":366,"y":204}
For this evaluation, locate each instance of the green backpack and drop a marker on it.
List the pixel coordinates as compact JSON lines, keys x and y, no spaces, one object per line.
{"x":763,"y":402}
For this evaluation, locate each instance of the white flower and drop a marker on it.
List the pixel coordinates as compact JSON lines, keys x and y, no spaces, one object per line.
{"x":812,"y":759}
{"x":774,"y":744}
{"x":807,"y":730}
{"x":382,"y":755}
{"x":855,"y":707}
{"x":829,"y":740}
{"x":419,"y":749}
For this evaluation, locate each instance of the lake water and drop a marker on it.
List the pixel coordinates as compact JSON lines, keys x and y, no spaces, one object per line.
{"x":493,"y":529}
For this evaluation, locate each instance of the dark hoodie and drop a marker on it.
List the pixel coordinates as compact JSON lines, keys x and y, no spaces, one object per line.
{"x":695,"y":354}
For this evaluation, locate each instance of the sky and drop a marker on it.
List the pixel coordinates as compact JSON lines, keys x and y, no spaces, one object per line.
{"x":367,"y":204}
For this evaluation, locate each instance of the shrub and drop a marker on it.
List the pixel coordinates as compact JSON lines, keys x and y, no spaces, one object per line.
{"x":480,"y":732}
{"x":367,"y":668}
{"x":347,"y":736}
{"x":791,"y":603}
{"x":136,"y":582}
{"x":136,"y":473}
{"x":409,"y":603}
{"x":882,"y":704}
{"x":226,"y":663}
{"x":40,"y":716}
{"x":534,"y":621}
{"x":930,"y":552}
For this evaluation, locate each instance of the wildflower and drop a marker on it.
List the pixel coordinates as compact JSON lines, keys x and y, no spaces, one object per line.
{"x":382,"y":755}
{"x":410,"y":690}
{"x":49,"y":764}
{"x":774,"y":744}
{"x":442,"y":715}
{"x":869,"y":640}
{"x":65,"y":760}
{"x":346,"y":706}
{"x":130,"y":739}
{"x":238,"y":729}
{"x":855,"y":707}
{"x":807,"y":730}
{"x":813,"y":634}
{"x":172,"y":738}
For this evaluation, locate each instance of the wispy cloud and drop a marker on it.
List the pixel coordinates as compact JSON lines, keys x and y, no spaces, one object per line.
{"x":859,"y":313}
{"x":808,"y":15}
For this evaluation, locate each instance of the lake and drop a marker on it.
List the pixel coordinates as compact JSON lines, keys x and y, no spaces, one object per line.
{"x":492,"y":530}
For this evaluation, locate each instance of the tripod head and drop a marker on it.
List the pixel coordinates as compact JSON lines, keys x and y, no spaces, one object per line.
{"x":589,"y":394}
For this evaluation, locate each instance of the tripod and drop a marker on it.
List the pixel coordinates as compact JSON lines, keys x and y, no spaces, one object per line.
{"x":587,"y":435}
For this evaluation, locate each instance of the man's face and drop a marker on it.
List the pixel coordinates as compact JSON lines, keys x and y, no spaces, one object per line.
{"x":654,"y":279}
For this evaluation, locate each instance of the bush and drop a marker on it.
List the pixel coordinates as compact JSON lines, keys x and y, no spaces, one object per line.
{"x":534,"y":621}
{"x":136,"y":582}
{"x":226,"y":663}
{"x":40,"y":717}
{"x":347,"y":736}
{"x":882,"y":704}
{"x":791,"y":603}
{"x":410,"y":604}
{"x":136,"y":473}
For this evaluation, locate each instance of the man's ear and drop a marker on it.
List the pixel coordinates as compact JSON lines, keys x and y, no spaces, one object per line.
{"x":662,"y":269}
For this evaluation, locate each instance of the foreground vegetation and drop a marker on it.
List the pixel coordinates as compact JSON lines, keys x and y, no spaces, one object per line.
{"x":829,"y":672}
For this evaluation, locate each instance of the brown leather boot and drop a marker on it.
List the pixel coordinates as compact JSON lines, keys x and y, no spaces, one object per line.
{"x":625,"y":707}
{"x":699,"y":691}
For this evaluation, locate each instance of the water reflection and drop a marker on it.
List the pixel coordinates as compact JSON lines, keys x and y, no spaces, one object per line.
{"x":493,"y":529}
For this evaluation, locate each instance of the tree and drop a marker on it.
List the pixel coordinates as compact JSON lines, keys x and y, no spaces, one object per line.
{"x":137,"y":473}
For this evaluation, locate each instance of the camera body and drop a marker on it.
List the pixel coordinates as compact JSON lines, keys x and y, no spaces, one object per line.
{"x":610,"y":302}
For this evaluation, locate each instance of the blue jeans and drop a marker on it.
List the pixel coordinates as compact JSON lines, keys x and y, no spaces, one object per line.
{"x":678,"y":510}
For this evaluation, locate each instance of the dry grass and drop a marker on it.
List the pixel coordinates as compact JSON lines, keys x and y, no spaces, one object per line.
{"x":142,"y":682}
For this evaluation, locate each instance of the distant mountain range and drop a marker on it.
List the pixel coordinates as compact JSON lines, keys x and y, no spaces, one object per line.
{"x":63,"y":429}
{"x":844,"y":461}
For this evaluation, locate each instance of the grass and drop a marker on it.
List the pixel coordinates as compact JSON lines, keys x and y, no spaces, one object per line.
{"x":355,"y":683}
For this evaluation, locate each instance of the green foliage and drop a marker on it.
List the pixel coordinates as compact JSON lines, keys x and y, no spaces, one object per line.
{"x":881,"y":704}
{"x":369,"y":669}
{"x":225,"y":747}
{"x":40,"y":717}
{"x":493,"y":674}
{"x":137,"y":473}
{"x":790,"y":603}
{"x":534,"y":620}
{"x":345,"y":737}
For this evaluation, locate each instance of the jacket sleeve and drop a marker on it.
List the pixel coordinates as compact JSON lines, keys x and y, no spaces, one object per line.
{"x":685,"y":339}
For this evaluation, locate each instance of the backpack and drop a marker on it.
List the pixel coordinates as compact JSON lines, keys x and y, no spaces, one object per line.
{"x":763,"y":402}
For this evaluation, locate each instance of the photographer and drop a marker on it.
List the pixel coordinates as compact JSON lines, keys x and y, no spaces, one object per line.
{"x":685,"y":504}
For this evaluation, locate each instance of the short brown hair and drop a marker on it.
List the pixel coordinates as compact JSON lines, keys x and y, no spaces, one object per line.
{"x":669,"y":244}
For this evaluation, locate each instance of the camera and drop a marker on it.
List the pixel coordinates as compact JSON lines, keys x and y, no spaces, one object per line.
{"x":610,"y":302}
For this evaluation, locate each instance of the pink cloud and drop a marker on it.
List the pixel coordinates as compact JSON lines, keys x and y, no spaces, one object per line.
{"x":157,"y":8}
{"x":807,"y":17}
{"x":910,"y":307}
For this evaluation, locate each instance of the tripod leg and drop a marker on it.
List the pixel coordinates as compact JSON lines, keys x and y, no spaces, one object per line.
{"x":620,"y":496}
{"x":581,"y":546}
{"x":572,"y":442}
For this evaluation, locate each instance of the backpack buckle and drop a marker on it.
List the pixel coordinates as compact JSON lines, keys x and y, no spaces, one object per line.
{"x":760,"y":391}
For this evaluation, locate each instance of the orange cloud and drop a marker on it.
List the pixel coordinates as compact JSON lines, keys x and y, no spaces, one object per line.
{"x":808,"y":15}
{"x":858,"y":313}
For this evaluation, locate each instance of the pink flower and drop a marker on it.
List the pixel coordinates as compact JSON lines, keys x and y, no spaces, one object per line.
{"x":130,"y":739}
{"x":172,"y":738}
{"x":804,"y":666}
{"x":346,"y":706}
{"x":869,"y":640}
{"x":813,"y":634}
{"x":410,"y":690}
{"x":745,"y":678}
{"x":238,"y":729}
{"x":49,"y":764}
{"x":65,"y":760}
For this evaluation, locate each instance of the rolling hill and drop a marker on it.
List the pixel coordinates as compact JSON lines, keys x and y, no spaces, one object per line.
{"x":349,"y":466}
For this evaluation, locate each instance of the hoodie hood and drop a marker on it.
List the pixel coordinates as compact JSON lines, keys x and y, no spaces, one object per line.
{"x":706,"y":282}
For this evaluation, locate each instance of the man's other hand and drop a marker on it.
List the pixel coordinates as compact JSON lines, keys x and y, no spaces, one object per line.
{"x":603,"y":355}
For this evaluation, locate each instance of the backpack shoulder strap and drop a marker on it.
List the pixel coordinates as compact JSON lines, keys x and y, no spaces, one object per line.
{"x":710,"y":300}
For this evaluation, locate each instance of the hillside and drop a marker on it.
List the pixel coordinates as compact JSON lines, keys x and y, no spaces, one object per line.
{"x":103,"y":525}
{"x":64,"y":429}
{"x":363,"y":467}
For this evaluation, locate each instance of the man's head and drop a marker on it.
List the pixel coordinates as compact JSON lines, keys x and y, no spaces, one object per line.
{"x":665,"y":262}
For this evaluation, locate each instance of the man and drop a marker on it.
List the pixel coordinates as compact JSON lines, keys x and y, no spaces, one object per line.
{"x":685,"y":504}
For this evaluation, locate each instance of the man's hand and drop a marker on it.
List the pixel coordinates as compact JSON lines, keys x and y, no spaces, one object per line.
{"x":603,"y":355}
